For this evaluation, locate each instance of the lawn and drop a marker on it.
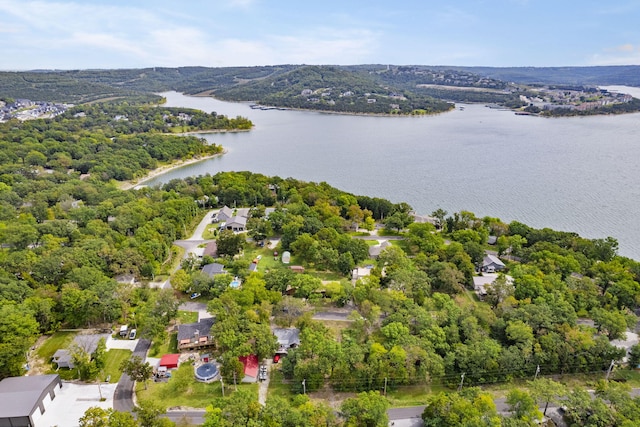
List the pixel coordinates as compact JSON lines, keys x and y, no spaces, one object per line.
{"x":336,"y":327}
{"x":182,"y":389}
{"x":412,"y":395}
{"x":54,"y":342}
{"x":276,"y":385}
{"x":168,"y":346}
{"x":112,"y":366}
{"x":172,"y":263}
{"x":187,"y":317}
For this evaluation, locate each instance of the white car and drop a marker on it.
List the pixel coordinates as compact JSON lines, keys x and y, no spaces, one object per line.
{"x":132,"y":334}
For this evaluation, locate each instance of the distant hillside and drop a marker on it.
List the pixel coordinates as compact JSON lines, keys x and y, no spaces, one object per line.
{"x":332,"y":88}
{"x":57,"y":87}
{"x":368,"y":88}
{"x":628,"y":75}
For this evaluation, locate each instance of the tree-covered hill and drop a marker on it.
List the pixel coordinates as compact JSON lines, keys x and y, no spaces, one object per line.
{"x":628,"y":75}
{"x":352,"y":89}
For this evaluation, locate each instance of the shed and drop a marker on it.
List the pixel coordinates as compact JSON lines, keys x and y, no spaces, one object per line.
{"x":170,"y":361}
{"x":250,"y":364}
{"x":24,"y":399}
{"x":63,"y":359}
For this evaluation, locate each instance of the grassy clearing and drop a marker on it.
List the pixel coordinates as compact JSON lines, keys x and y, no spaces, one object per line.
{"x":173,"y":262}
{"x":114,"y":359}
{"x":336,"y":327}
{"x":187,"y":317}
{"x":267,"y":261}
{"x":54,"y":342}
{"x":182,"y":390}
{"x":277,"y":387}
{"x":170,"y":345}
{"x":412,"y":395}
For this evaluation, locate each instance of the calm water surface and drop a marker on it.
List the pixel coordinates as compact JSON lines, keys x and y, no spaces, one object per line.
{"x":574,"y":174}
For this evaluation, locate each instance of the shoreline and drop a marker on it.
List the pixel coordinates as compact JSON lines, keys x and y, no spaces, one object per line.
{"x":200,"y":132}
{"x":128,"y":185}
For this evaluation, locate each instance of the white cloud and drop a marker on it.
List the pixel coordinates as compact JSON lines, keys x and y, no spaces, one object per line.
{"x":625,"y":54}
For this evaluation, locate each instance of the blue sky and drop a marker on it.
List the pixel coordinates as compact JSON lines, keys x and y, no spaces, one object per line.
{"x":77,"y":34}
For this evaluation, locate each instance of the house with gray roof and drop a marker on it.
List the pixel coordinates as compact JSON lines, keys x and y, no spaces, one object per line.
{"x":88,"y":343}
{"x":237,"y":223}
{"x":491,"y":264}
{"x":23,"y":400}
{"x":195,"y":335}
{"x":288,"y":338}
{"x":223,"y":214}
{"x":213,"y":269}
{"x":374,"y":251}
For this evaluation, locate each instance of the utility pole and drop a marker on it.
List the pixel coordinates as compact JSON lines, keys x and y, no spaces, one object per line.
{"x":613,"y":362}
{"x":461,"y":382}
{"x":304,"y":386}
{"x":385,"y":386}
{"x":222,"y":385}
{"x":535,"y":377}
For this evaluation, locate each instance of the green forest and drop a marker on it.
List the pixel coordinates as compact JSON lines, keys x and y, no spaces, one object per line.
{"x":68,"y":232}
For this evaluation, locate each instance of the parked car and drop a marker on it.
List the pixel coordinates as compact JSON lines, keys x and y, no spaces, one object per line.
{"x":276,"y":358}
{"x":132,"y":334}
{"x":195,"y":295}
{"x":262,"y":375}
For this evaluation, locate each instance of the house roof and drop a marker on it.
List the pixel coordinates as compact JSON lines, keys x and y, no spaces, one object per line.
{"x":213,"y":269}
{"x":211,"y":249}
{"x":237,"y":220}
{"x":62,"y":357}
{"x":253,"y":266}
{"x":89,"y":342}
{"x":250,"y":363}
{"x":19,"y":396}
{"x":287,"y":336}
{"x":188,"y":331}
{"x":492,"y":259}
{"x":169,"y":360}
{"x":225,"y":213}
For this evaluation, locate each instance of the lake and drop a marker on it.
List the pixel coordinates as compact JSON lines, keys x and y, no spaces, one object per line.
{"x":573,"y":174}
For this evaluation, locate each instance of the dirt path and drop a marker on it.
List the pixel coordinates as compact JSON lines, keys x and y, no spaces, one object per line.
{"x":37,"y":366}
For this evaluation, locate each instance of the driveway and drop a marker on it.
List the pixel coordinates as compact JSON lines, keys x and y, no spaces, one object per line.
{"x":121,"y":344}
{"x":199,"y":307}
{"x":123,"y":396}
{"x":72,"y":400}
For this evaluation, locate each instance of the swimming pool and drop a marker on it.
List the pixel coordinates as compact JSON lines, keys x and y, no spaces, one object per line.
{"x":206,"y":372}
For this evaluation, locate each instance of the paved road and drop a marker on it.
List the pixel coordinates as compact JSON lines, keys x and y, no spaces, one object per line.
{"x":123,"y":396}
{"x":379,"y":237}
{"x":342,"y":316}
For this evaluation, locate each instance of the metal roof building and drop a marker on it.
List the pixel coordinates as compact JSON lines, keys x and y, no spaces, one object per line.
{"x":24,"y":399}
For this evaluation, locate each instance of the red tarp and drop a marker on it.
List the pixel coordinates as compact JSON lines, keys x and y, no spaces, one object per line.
{"x":250,"y":363}
{"x":170,"y":361}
